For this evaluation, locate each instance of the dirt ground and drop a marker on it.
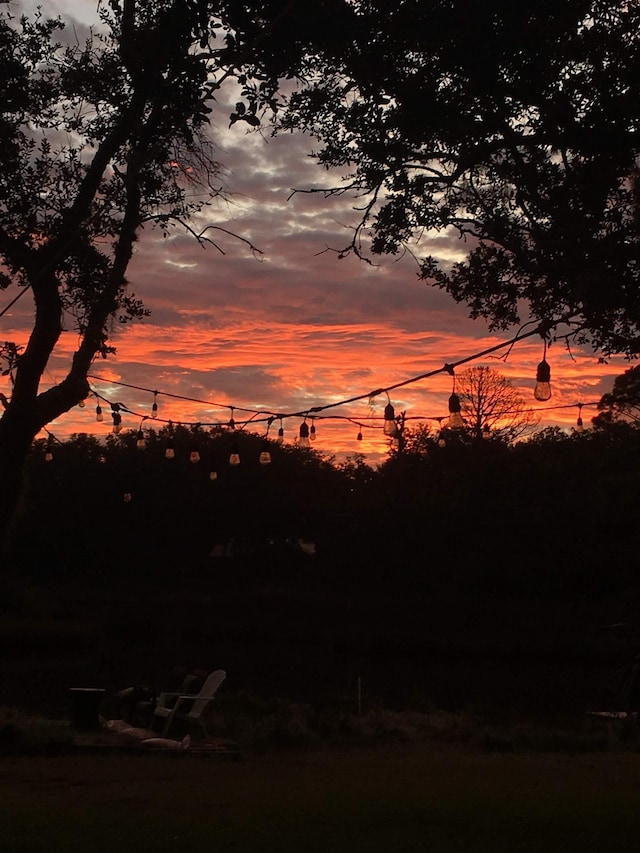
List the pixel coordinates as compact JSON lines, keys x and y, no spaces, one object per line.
{"x":438,"y":798}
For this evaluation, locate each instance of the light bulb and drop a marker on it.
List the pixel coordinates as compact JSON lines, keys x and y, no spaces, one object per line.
{"x":154,"y":410}
{"x":82,"y":403}
{"x":99,"y":415}
{"x":140,"y":442}
{"x":127,"y":497}
{"x":265,"y":455}
{"x":194,"y":456}
{"x":390,"y":427}
{"x":304,"y":435}
{"x":442,"y":438}
{"x":234,"y":455}
{"x":213,"y":475}
{"x":312,"y":433}
{"x":359,"y":435}
{"x":280,"y":435}
{"x":102,"y":458}
{"x":169,"y":451}
{"x":455,"y":418}
{"x":48,"y":455}
{"x":542,"y":391}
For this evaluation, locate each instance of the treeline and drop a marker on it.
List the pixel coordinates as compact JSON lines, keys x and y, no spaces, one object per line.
{"x":473,"y":572}
{"x":544,"y":516}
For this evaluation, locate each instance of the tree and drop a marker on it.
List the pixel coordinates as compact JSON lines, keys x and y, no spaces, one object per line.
{"x":622,"y":403}
{"x":98,"y":141}
{"x":514,"y":126}
{"x":490,"y":404}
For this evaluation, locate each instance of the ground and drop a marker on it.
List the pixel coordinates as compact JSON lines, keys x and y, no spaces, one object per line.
{"x":436,"y":797}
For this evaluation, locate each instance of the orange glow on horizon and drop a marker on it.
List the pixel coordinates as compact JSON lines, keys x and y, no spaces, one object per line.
{"x":281,"y":368}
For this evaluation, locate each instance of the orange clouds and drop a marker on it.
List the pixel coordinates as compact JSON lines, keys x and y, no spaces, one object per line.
{"x":296,"y":326}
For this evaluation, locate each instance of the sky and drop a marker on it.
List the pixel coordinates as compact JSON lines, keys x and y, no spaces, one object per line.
{"x":296,"y":326}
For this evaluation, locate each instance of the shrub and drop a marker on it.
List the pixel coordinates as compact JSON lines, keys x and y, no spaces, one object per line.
{"x":26,"y":734}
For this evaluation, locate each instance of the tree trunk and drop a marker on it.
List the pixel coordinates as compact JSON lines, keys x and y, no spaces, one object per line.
{"x":17,"y":431}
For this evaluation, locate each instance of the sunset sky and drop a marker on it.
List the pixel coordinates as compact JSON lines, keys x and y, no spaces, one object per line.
{"x":295,"y":327}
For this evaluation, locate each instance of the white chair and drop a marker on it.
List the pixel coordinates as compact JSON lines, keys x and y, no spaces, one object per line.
{"x":190,"y":708}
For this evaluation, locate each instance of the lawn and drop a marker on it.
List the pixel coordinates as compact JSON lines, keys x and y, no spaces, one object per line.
{"x":429,"y":797}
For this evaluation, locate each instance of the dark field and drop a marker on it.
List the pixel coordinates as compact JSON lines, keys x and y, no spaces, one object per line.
{"x":403,"y":799}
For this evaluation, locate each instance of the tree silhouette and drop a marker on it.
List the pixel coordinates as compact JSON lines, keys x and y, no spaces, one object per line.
{"x":513,"y":126}
{"x":492,"y":406}
{"x":98,"y":141}
{"x":622,"y":403}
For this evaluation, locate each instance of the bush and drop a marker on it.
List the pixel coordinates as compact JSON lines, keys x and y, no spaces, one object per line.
{"x":25,"y":734}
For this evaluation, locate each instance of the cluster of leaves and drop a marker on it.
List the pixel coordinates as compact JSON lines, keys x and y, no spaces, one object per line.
{"x":514,"y":126}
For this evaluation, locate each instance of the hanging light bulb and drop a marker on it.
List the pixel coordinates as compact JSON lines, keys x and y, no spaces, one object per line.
{"x":304,"y":435}
{"x":82,"y":403}
{"x":154,"y":407}
{"x":455,"y":418}
{"x":194,"y":455}
{"x":169,"y":450}
{"x":213,"y":475}
{"x":117,"y":422}
{"x":265,"y":455}
{"x":48,"y":452}
{"x":234,"y":456}
{"x":486,"y":432}
{"x":359,"y":435}
{"x":442,"y":437}
{"x":127,"y":497}
{"x":232,"y":423}
{"x":389,"y":427}
{"x":140,"y":442}
{"x":579,"y":423}
{"x":99,"y":415}
{"x":542,"y":391}
{"x":312,"y":433}
{"x":102,"y":458}
{"x":281,"y":434}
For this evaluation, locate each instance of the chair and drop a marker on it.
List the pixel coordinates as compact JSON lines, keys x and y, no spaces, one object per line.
{"x":190,"y":708}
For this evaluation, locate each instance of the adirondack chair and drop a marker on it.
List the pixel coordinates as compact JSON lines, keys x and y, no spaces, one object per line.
{"x":189,"y":708}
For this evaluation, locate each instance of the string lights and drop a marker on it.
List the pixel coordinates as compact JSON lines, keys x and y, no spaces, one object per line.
{"x":308,"y":431}
{"x":304,"y":435}
{"x":234,"y":455}
{"x":542,"y":391}
{"x":265,"y":452}
{"x":117,"y":417}
{"x":390,"y":427}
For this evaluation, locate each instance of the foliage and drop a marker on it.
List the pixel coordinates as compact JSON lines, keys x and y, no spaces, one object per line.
{"x":99,"y":140}
{"x":32,"y":734}
{"x":512,"y":125}
{"x":622,"y":403}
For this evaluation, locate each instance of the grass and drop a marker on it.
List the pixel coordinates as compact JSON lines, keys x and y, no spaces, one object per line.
{"x":428,"y":797}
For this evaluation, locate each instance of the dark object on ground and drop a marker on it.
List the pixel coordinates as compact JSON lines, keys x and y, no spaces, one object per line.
{"x":85,"y":706}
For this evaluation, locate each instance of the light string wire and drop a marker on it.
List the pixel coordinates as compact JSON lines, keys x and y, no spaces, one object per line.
{"x":259,"y":416}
